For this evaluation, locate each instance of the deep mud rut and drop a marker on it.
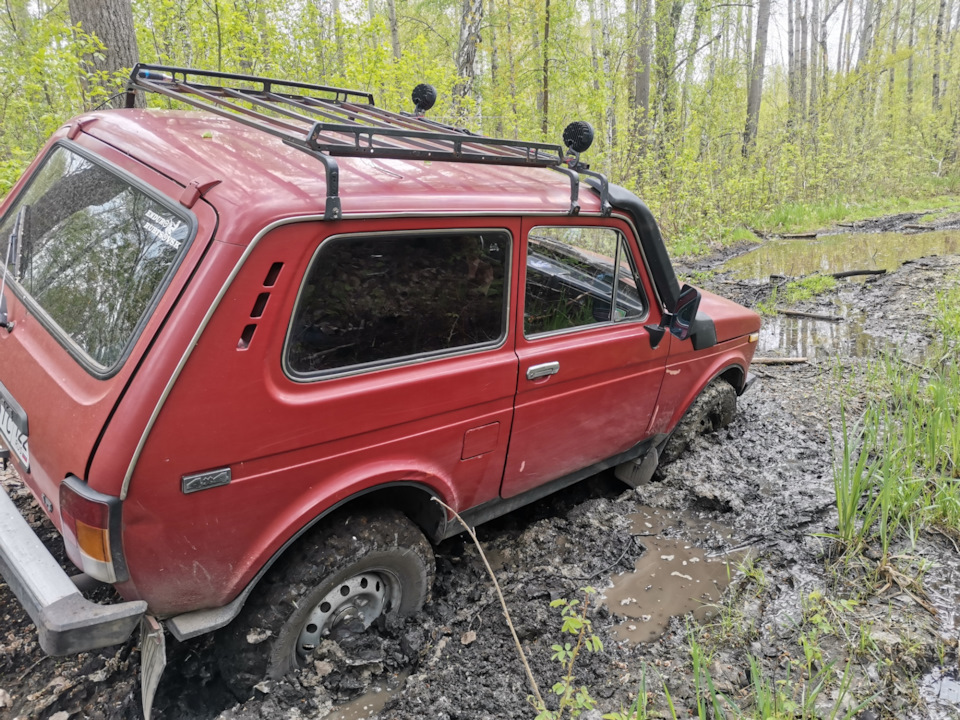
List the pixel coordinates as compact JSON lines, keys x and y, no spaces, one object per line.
{"x":755,"y":494}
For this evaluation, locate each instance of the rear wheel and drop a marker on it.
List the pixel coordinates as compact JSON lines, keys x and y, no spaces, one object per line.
{"x":713,"y":409}
{"x":334,"y":583}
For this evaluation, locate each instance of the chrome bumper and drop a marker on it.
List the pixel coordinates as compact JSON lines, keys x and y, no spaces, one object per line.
{"x":68,"y":623}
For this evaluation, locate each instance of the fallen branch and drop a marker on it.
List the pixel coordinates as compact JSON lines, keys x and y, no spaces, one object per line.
{"x":810,"y":316}
{"x":779,"y":361}
{"x":799,"y":236}
{"x":919,"y":227}
{"x":855,"y":273}
{"x":503,"y":603}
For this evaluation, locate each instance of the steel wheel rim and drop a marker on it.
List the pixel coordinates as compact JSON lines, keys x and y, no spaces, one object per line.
{"x":361,"y":598}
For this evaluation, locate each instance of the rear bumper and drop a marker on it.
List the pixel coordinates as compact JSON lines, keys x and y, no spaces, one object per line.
{"x":67,"y":622}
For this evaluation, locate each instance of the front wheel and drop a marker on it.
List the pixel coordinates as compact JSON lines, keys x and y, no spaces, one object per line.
{"x":713,"y":409}
{"x":334,"y":583}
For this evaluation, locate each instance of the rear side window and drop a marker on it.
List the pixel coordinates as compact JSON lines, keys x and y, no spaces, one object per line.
{"x":369,"y":300}
{"x":92,"y":250}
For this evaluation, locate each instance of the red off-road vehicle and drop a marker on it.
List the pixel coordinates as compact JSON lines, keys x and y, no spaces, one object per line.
{"x":243,"y":347}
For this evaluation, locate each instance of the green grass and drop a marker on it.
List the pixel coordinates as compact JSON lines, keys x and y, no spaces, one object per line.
{"x":802,"y":217}
{"x":808,"y":288}
{"x":732,"y":236}
{"x":899,"y":470}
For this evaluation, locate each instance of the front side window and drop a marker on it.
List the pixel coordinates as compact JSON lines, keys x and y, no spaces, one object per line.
{"x":579,"y":276}
{"x":92,"y":251}
{"x":373,"y":299}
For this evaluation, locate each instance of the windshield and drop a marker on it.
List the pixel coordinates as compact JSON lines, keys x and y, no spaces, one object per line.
{"x":92,"y":250}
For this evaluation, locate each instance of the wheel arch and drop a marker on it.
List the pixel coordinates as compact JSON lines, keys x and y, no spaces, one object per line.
{"x":413,"y":499}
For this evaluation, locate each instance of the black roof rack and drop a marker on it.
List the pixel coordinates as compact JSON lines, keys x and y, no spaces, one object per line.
{"x":327,"y":122}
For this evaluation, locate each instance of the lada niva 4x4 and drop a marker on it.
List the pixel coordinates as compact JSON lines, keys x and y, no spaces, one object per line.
{"x":245,"y":344}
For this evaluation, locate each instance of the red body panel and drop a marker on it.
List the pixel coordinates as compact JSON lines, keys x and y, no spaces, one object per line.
{"x":597,"y":404}
{"x":67,"y":407}
{"x":296,"y":449}
{"x":205,"y":389}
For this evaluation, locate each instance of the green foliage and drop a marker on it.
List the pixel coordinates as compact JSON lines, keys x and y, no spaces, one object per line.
{"x":861,"y":150}
{"x":572,"y":700}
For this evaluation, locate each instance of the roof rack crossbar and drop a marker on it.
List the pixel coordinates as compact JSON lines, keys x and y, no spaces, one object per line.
{"x":349,"y":125}
{"x":266,"y":84}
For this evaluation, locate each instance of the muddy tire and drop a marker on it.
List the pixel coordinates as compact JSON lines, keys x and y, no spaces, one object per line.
{"x":352,"y":571}
{"x":713,"y":409}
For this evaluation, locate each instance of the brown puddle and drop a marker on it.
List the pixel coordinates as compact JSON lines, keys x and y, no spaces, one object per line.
{"x":673,"y":577}
{"x":793,"y":337}
{"x":370,"y":703}
{"x":846,"y":251}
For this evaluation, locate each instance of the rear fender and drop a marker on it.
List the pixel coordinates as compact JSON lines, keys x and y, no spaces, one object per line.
{"x":404,"y":492}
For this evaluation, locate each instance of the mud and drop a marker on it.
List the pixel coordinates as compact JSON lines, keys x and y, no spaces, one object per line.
{"x":763,"y":486}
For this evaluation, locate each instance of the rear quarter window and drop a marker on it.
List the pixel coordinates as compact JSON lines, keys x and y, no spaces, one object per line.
{"x":371,"y":300}
{"x":91,"y":249}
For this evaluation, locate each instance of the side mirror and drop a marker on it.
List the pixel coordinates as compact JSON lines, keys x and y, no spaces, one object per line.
{"x":685,"y":312}
{"x":680,"y":320}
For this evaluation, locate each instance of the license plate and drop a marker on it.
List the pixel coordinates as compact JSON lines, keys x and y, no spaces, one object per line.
{"x":12,"y":419}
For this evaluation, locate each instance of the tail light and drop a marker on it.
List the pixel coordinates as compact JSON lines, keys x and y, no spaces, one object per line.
{"x":90,"y":523}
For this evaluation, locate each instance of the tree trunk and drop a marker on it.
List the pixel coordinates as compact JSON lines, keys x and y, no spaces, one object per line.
{"x":690,"y":60}
{"x":112,"y":22}
{"x":470,"y":18}
{"x":756,"y":81}
{"x":937,"y":51}
{"x":791,"y":61}
{"x":394,"y":29}
{"x":594,"y":43}
{"x":814,"y":57}
{"x":642,"y":80}
{"x":824,"y":55}
{"x":610,"y":98}
{"x":512,"y":68}
{"x":846,"y":39}
{"x":545,"y":87}
{"x":893,"y":45}
{"x":495,"y":68}
{"x":912,"y":42}
{"x":866,"y":34}
{"x":337,"y":33}
{"x":802,"y":79}
{"x":667,"y":19}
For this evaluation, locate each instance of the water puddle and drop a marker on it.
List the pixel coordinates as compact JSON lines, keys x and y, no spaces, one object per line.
{"x":800,"y":337}
{"x":370,"y":703}
{"x":941,"y":689}
{"x":837,"y":253}
{"x":673,"y":577}
{"x":941,"y":686}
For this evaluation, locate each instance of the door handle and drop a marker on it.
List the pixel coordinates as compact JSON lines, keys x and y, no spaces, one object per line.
{"x":542,"y":370}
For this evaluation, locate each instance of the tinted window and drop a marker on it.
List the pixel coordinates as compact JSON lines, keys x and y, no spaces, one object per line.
{"x":91,"y":250}
{"x":572,"y":274}
{"x":366,"y":300}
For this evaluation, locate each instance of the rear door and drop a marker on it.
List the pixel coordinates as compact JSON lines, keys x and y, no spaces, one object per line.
{"x":589,"y":378}
{"x":97,"y":250}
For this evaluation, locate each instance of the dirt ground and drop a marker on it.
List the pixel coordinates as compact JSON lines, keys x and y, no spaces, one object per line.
{"x":757,"y":494}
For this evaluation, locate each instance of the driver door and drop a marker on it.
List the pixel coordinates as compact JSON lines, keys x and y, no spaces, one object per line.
{"x":589,"y":380}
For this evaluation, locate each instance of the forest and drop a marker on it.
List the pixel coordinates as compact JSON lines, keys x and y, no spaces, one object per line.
{"x":717,"y":113}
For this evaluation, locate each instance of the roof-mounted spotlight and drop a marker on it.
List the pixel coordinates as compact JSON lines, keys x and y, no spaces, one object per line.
{"x":578,"y":137}
{"x":424,"y":96}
